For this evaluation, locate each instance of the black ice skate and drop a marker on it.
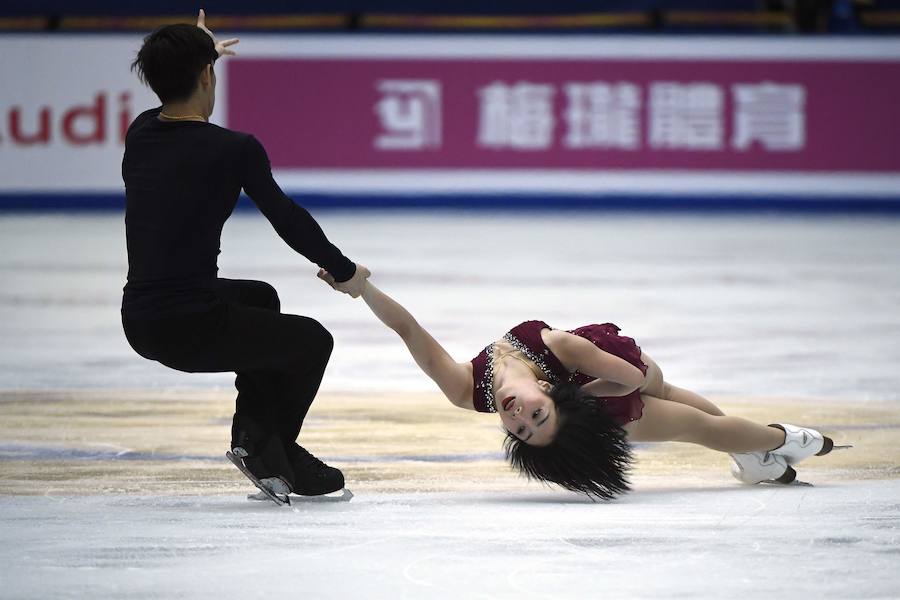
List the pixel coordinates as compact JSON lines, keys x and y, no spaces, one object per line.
{"x":312,"y":477}
{"x":262,"y":459}
{"x":271,"y":488}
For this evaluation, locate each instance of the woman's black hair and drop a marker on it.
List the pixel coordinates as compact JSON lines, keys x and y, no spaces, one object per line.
{"x":172,"y":58}
{"x":589,"y":454}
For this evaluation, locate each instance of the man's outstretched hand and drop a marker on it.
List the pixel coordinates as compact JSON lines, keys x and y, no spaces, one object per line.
{"x":221,"y":47}
{"x":353,"y":286}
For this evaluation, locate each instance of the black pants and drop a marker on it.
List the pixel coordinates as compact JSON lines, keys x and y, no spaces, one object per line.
{"x":279,"y":359}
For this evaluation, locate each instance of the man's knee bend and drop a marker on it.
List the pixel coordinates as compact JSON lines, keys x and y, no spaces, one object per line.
{"x":260,"y":294}
{"x":268,"y":296}
{"x":319,"y":339}
{"x":326,"y":342}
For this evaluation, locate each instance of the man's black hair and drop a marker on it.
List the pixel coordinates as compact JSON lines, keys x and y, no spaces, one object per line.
{"x":589,"y":454}
{"x":172,"y":58}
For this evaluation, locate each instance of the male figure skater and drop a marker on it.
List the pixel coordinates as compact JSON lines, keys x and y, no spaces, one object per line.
{"x":182,"y":179}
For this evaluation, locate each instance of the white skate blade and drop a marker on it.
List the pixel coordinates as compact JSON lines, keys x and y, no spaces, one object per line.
{"x":841,"y":447}
{"x":343,"y":496}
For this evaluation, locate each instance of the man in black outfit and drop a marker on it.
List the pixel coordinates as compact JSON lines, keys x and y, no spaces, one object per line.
{"x":182,"y":179}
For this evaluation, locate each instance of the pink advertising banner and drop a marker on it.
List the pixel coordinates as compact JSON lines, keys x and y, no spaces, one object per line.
{"x":583,"y":114}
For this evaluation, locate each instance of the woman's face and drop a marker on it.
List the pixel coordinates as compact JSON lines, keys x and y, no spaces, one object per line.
{"x":527,"y":411}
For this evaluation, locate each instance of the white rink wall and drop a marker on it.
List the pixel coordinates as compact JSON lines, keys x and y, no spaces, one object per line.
{"x":62,"y":134}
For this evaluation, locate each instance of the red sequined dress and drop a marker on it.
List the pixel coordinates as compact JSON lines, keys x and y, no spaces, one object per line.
{"x":526,"y":337}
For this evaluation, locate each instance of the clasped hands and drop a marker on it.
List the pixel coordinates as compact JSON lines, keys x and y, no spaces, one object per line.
{"x":353,"y":286}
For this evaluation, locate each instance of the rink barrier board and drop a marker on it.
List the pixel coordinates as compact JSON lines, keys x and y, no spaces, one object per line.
{"x":62,"y":135}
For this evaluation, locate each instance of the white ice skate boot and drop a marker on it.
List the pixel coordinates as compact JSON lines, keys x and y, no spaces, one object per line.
{"x":756,"y":467}
{"x":801,"y":443}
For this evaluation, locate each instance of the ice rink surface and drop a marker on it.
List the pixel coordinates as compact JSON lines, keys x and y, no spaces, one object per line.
{"x":750,"y":308}
{"x":694,"y":541}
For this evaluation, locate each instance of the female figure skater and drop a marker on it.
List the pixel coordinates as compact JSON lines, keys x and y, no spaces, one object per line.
{"x":571,"y":401}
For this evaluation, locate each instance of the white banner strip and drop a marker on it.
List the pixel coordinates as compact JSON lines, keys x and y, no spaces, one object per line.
{"x":671,"y":183}
{"x":553,"y":47}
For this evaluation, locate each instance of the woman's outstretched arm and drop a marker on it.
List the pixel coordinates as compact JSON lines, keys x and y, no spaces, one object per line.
{"x":454,"y":379}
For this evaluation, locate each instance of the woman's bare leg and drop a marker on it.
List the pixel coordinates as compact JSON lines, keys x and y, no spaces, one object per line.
{"x":655,"y":385}
{"x":653,"y":379}
{"x":668,"y":421}
{"x":683,"y":396}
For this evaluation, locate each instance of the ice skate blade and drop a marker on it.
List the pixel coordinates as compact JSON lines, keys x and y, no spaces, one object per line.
{"x":344,"y":496}
{"x":279,"y":500}
{"x":260,"y":496}
{"x":265,"y":497}
{"x":793,"y":483}
{"x":829,"y":446}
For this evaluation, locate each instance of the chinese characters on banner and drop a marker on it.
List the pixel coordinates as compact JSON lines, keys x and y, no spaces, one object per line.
{"x":602,"y":114}
{"x":599,"y":114}
{"x":771,"y":114}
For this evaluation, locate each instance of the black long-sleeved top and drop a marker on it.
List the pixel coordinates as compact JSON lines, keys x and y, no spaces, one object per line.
{"x":182,"y":181}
